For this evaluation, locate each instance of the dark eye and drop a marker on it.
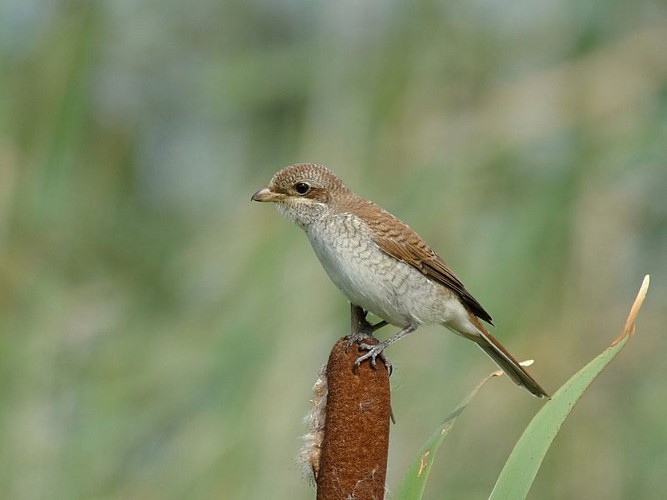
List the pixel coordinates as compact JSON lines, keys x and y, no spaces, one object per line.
{"x":302,"y":187}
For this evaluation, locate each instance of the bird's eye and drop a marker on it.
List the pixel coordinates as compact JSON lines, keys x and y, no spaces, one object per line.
{"x":302,"y":187}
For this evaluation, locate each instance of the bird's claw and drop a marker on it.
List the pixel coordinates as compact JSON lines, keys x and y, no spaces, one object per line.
{"x":364,"y":331}
{"x":374,"y":351}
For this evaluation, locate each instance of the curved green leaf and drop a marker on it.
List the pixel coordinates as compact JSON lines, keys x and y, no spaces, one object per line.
{"x":523,"y":463}
{"x":414,"y":482}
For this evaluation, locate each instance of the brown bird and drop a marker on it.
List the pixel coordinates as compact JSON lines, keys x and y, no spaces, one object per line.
{"x":382,"y":265}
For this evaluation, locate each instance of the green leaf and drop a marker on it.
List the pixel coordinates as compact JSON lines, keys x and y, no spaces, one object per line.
{"x":415,"y":479}
{"x":523,"y":463}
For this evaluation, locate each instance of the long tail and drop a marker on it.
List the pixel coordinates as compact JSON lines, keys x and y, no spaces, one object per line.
{"x":491,"y":346}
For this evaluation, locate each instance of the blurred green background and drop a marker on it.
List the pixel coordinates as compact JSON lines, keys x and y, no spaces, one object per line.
{"x":161,"y":334}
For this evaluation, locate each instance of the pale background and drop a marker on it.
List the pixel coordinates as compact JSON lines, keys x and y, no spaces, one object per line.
{"x":160,"y":333}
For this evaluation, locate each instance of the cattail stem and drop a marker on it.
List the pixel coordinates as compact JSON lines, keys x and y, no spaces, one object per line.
{"x":355,"y":445}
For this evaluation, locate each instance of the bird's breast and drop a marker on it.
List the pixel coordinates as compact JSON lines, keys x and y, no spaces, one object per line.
{"x":390,"y":289}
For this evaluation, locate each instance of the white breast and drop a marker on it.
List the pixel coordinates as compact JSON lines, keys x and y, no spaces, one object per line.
{"x":371,"y":279}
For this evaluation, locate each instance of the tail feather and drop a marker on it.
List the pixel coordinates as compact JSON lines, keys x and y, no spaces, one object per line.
{"x":495,"y":350}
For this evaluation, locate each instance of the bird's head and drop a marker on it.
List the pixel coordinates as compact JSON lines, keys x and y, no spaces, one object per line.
{"x":304,"y":192}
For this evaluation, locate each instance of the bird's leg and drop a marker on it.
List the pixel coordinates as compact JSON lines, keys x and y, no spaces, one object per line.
{"x":361,"y":330}
{"x":379,"y":325}
{"x":377,"y":350}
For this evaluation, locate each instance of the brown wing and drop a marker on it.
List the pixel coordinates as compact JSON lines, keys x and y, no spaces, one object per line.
{"x":406,"y":246}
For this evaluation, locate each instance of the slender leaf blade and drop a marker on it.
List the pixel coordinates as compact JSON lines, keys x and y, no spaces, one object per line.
{"x":415,"y":479}
{"x":520,"y":470}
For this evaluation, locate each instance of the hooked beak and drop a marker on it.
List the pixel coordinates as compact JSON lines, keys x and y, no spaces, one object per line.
{"x":265,"y":194}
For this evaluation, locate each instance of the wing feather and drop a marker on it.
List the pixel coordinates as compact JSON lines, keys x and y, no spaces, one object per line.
{"x":397,"y":239}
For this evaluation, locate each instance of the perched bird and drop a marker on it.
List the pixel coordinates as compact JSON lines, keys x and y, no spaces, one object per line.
{"x":381,"y":264}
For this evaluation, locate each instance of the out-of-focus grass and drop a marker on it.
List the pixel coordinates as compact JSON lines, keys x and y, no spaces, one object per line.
{"x":160,"y":333}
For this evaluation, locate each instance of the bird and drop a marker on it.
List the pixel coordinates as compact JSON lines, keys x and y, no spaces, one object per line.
{"x":382,"y":265}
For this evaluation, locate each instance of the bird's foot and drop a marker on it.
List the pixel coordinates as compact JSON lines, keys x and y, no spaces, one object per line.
{"x":374,"y":351}
{"x":364,"y":331}
{"x":358,"y":337}
{"x":361,"y":332}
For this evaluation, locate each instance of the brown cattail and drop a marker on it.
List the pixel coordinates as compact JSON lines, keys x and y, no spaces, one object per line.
{"x":355,"y":442}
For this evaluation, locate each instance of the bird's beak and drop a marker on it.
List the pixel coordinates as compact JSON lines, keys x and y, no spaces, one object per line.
{"x":265,"y":194}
